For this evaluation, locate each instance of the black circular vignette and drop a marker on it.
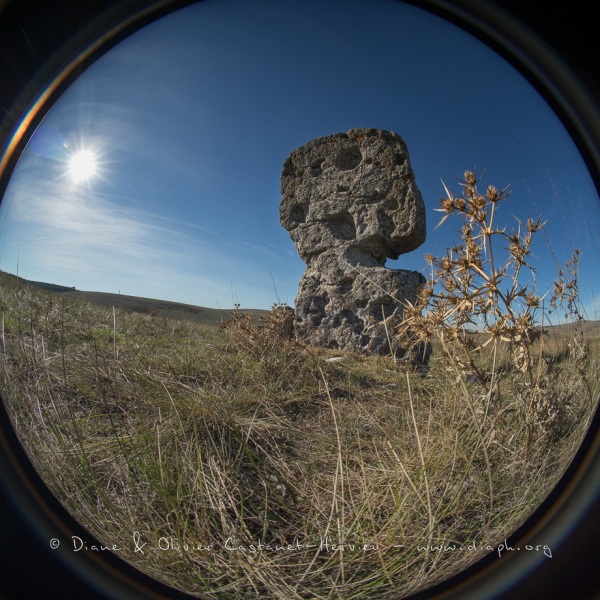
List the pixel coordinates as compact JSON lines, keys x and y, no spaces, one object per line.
{"x":32,"y":32}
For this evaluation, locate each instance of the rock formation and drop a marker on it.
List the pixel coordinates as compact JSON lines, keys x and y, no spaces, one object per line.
{"x":349,"y":202}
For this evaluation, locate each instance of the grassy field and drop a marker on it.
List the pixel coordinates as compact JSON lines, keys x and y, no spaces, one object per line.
{"x":248,"y":465}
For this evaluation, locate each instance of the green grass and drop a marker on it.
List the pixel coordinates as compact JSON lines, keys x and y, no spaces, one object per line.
{"x":192,"y":435}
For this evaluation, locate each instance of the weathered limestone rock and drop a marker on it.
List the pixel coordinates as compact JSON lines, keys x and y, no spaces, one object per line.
{"x":349,"y":202}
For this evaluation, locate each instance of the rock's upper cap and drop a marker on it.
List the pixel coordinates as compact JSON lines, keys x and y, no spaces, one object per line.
{"x":354,"y":192}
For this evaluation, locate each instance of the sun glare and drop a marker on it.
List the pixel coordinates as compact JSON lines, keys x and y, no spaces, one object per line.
{"x":82,"y":165}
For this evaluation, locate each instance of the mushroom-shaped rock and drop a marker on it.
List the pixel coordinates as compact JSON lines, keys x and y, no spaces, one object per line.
{"x":349,"y":202}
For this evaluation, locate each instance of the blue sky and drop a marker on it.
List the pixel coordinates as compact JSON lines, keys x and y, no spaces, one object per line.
{"x":191,"y":118}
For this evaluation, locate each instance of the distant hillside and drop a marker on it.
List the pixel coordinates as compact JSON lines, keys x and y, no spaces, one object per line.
{"x":591,"y":329}
{"x":52,"y":287}
{"x":160,"y":308}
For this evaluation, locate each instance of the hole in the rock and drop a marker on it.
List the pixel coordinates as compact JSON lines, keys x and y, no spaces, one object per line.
{"x":316,"y":168}
{"x":298,"y":213}
{"x":348,"y":158}
{"x":342,"y":226}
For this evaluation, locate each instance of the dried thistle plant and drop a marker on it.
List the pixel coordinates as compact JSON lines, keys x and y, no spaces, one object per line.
{"x":486,"y":283}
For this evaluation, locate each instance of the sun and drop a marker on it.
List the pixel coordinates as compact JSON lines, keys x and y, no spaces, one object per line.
{"x":82,"y":165}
